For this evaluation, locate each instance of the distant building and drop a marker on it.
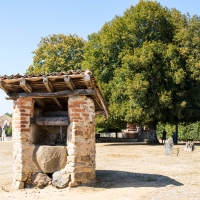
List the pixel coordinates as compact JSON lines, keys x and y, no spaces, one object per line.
{"x":5,"y":122}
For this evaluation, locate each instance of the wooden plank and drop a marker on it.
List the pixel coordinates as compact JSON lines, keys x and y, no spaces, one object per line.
{"x":61,"y":94}
{"x":25,"y":86}
{"x":2,"y":86}
{"x":55,"y":113}
{"x":69,"y":82}
{"x":52,"y":121}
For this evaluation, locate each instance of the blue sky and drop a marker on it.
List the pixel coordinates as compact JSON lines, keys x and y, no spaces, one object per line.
{"x":24,"y":22}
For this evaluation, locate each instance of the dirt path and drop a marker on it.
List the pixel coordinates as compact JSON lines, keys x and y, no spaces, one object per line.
{"x":124,"y":171}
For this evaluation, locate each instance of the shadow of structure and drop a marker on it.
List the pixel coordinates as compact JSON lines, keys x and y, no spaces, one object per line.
{"x":121,"y":179}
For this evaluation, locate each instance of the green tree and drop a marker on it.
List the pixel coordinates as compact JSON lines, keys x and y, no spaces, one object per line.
{"x":8,"y":114}
{"x":147,"y":63}
{"x":57,"y":53}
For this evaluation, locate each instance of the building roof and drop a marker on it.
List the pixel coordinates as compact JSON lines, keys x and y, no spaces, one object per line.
{"x":3,"y":118}
{"x":52,"y":90}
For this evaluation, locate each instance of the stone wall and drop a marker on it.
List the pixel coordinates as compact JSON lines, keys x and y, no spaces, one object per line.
{"x":31,"y":157}
{"x":22,"y":142}
{"x":81,"y":140}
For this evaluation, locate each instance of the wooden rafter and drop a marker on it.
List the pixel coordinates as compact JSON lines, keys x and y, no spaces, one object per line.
{"x":87,"y":80}
{"x":2,"y":86}
{"x":40,"y":103}
{"x":48,"y":84}
{"x":69,"y":82}
{"x":50,"y":88}
{"x":25,"y":86}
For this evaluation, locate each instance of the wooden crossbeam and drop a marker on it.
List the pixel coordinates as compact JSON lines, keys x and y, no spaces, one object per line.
{"x":2,"y":86}
{"x":51,"y":121}
{"x":25,"y":86}
{"x":69,"y":82}
{"x":61,"y":94}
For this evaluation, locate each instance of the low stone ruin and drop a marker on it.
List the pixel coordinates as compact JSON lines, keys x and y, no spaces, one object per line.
{"x":189,"y":146}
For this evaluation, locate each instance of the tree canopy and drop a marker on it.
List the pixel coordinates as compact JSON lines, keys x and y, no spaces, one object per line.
{"x":57,"y":53}
{"x":147,"y":63}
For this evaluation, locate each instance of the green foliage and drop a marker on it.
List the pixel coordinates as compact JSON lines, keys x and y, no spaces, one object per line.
{"x":9,"y":114}
{"x":57,"y":53}
{"x":10,"y":127}
{"x":10,"y":130}
{"x":147,"y":64}
{"x":186,"y":132}
{"x":104,"y":125}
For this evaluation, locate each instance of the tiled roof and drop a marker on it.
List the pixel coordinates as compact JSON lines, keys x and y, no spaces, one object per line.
{"x":70,"y":72}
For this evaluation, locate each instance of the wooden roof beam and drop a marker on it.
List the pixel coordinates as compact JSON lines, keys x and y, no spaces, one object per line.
{"x":88,"y":82}
{"x":2,"y":86}
{"x":48,"y":84}
{"x":69,"y":82}
{"x":40,"y":103}
{"x":25,"y":86}
{"x":50,"y":88}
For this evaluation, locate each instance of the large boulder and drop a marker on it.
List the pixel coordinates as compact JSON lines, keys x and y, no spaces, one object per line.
{"x":50,"y":158}
{"x":61,"y":178}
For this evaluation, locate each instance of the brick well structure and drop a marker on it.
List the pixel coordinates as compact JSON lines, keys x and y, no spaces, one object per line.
{"x":53,"y":128}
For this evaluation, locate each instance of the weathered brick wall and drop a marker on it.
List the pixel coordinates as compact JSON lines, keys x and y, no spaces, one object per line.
{"x":22,"y":143}
{"x":81,"y":140}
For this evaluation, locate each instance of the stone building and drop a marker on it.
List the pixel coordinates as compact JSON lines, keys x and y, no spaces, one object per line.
{"x":5,"y":122}
{"x":53,"y":127}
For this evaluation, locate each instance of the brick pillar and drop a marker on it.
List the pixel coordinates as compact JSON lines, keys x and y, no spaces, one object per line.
{"x":81,"y":140}
{"x":22,"y":144}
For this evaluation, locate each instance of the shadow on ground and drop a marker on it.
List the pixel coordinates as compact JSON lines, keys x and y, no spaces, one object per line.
{"x":120,"y":179}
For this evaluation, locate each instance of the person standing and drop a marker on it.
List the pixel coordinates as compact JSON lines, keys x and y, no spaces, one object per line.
{"x":164,"y":134}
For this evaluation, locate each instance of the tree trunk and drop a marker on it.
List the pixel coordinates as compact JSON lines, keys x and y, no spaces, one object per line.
{"x":176,"y":136}
{"x":152,"y":134}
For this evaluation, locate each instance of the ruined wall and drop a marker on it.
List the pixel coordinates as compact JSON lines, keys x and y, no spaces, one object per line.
{"x":81,"y":140}
{"x":22,"y":141}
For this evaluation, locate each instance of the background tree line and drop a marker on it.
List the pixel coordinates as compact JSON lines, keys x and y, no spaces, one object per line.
{"x":146,"y":62}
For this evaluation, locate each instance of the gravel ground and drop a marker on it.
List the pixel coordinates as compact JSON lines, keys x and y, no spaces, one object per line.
{"x":124,"y":171}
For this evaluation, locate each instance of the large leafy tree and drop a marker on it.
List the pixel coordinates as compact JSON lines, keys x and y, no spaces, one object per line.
{"x":147,"y":63}
{"x":57,"y":52}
